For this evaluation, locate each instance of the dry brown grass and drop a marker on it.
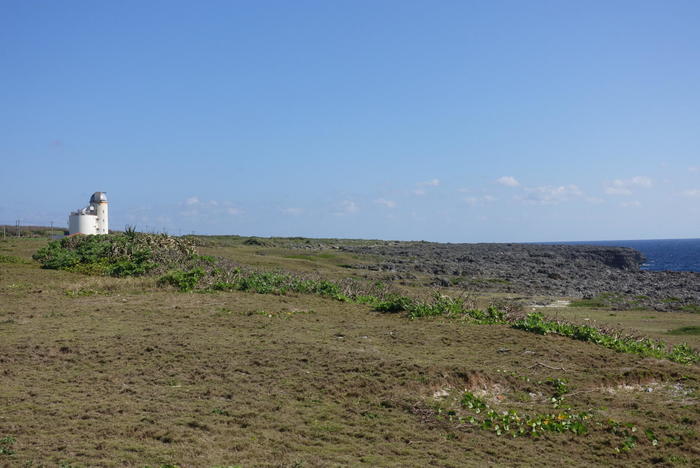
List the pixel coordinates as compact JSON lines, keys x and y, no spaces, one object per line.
{"x":135,"y":375}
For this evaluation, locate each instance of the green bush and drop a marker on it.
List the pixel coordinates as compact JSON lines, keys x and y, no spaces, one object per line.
{"x":537,"y":323}
{"x":185,"y":281}
{"x":128,"y":254}
{"x":12,"y":259}
{"x":393,"y":304}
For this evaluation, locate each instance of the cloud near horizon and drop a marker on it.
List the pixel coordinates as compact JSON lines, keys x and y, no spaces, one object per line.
{"x":429,"y":183}
{"x":508,"y":181}
{"x":196,"y":207}
{"x":347,"y":207}
{"x":550,"y":195}
{"x":384,"y":202}
{"x":625,"y":186}
{"x":474,"y":201}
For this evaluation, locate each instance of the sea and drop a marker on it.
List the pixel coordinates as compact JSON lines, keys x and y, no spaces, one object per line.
{"x":660,"y":254}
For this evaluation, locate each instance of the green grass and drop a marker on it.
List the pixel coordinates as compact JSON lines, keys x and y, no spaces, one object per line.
{"x":13,"y":259}
{"x":694,"y":330}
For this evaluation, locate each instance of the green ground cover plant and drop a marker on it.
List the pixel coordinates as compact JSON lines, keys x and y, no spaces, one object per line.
{"x":11,"y":259}
{"x":537,"y":323}
{"x":692,"y":330}
{"x":6,"y":445}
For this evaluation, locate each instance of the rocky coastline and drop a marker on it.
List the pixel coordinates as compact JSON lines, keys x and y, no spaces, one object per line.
{"x":607,"y":274}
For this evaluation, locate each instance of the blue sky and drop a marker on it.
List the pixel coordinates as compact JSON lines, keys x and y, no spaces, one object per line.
{"x":458,"y":121}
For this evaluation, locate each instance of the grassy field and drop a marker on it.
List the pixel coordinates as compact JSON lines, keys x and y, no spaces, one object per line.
{"x":101,"y":371}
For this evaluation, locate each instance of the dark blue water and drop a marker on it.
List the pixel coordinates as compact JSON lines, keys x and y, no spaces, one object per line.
{"x":661,"y":254}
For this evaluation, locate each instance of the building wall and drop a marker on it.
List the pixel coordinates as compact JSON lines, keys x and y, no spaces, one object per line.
{"x":82,"y":223}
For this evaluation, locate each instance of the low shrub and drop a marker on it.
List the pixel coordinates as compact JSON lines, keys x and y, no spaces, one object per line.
{"x":393,"y":304}
{"x":128,"y":254}
{"x":12,"y":259}
{"x":537,"y":323}
{"x":185,"y":281}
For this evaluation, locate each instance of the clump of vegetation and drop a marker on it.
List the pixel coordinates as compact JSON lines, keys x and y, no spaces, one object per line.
{"x":277,"y":283}
{"x":440,"y":305}
{"x":6,"y":445}
{"x":394,"y":303}
{"x":537,"y":323}
{"x":514,"y":424}
{"x":127,"y":254}
{"x":690,"y":330}
{"x":183,"y":280}
{"x":601,"y":301}
{"x":12,"y":259}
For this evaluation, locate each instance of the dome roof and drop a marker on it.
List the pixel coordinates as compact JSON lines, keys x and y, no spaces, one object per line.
{"x":98,"y":197}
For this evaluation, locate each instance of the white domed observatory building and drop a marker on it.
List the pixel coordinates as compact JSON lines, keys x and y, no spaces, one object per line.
{"x":93,"y":219}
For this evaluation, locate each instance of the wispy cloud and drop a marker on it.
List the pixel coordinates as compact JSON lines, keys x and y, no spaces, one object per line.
{"x":508,"y":181}
{"x":234,"y":211}
{"x":626,"y":186}
{"x":384,"y":202}
{"x":475,"y":201}
{"x":692,"y":193}
{"x":429,"y":183}
{"x":194,"y":206}
{"x":347,"y":207}
{"x":292,"y":211}
{"x":421,"y":190}
{"x":550,"y":195}
{"x":694,"y":169}
{"x":630,"y":204}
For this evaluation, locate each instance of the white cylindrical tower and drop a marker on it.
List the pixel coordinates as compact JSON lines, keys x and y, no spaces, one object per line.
{"x":98,"y":201}
{"x":82,"y":222}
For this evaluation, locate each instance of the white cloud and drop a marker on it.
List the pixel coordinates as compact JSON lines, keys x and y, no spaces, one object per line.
{"x":474,"y":201}
{"x":384,"y":202}
{"x":348,"y":207}
{"x":694,"y":169}
{"x":508,"y":181}
{"x":692,"y":193}
{"x":551,"y":195}
{"x":292,"y":211}
{"x":630,"y":204}
{"x":595,"y":200}
{"x":193,"y":206}
{"x":429,"y":183}
{"x":234,"y":211}
{"x":625,"y":186}
{"x":617,"y":191}
{"x":420,"y":191}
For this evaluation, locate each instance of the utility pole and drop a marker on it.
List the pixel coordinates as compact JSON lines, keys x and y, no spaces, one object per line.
{"x":19,"y":232}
